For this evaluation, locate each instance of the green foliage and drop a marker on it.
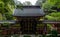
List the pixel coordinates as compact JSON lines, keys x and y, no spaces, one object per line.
{"x":57,"y":14}
{"x":27,"y":36}
{"x":6,"y":8}
{"x":5,"y":24}
{"x":49,"y":17}
{"x":49,"y":26}
{"x":9,"y":17}
{"x":19,"y":6}
{"x":53,"y":16}
{"x":27,"y":3}
{"x":48,"y":5}
{"x":51,"y":3}
{"x":53,"y":33}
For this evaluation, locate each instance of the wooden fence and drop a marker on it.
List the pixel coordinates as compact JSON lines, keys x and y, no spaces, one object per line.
{"x":13,"y":29}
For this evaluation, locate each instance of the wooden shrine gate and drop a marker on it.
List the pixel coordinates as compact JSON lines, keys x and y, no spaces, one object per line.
{"x":26,"y":22}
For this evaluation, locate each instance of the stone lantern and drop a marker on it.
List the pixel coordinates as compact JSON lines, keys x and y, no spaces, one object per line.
{"x":28,"y":17}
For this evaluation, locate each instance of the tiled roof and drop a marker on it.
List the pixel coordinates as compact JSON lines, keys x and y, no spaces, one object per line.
{"x":29,"y":11}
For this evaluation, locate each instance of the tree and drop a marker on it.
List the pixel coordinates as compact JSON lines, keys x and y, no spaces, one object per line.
{"x":49,"y":4}
{"x":27,"y":3}
{"x":19,"y":5}
{"x":5,"y":7}
{"x":52,"y":6}
{"x":40,"y":2}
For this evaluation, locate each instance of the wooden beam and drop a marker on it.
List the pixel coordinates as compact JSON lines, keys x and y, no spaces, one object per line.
{"x":51,"y":22}
{"x":7,"y":21}
{"x":48,"y":22}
